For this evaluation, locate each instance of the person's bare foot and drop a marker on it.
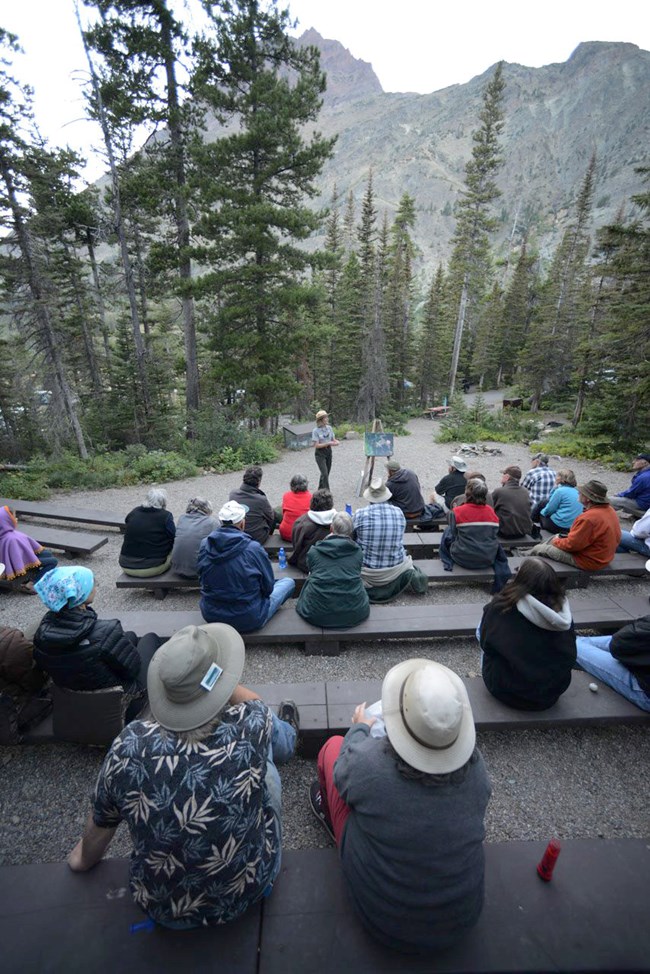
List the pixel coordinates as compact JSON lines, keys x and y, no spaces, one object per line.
{"x":27,"y":588}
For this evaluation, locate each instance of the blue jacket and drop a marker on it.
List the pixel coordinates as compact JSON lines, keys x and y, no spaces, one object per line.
{"x":563,"y":506}
{"x":639,"y":489}
{"x":236,"y":579}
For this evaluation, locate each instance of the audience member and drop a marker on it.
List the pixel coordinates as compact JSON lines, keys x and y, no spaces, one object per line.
{"x":22,"y":557}
{"x":334,"y":596}
{"x":636,"y":499}
{"x":562,"y":507}
{"x":512,"y":504}
{"x":594,"y":535}
{"x":472,"y":475}
{"x":193,"y":526}
{"x":82,"y":652}
{"x":404,"y":799}
{"x":260,"y":520}
{"x":197,"y":786}
{"x":22,"y":699}
{"x":295,"y":503}
{"x":470,"y":539}
{"x":311,"y":527}
{"x":622,"y":661}
{"x":148,"y":537}
{"x":379,"y":528}
{"x":528,"y":640}
{"x":638,"y":537}
{"x":237,"y":582}
{"x":451,"y":485}
{"x":540,"y":480}
{"x":405,"y":490}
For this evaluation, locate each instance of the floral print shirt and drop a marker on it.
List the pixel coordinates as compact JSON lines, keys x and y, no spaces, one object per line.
{"x":205,"y":838}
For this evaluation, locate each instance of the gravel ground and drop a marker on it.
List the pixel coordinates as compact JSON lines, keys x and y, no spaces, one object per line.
{"x":571,"y":783}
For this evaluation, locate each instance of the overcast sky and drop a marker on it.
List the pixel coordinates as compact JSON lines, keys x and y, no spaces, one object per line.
{"x":413,"y":45}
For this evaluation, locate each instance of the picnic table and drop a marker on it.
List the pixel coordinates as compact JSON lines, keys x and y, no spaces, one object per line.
{"x":436,"y":412}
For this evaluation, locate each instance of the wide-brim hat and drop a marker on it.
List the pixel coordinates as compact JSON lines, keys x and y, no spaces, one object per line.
{"x":595,"y":491}
{"x":192,"y":676}
{"x":377,"y":492}
{"x":458,"y":463}
{"x":428,"y":716}
{"x":322,"y":414}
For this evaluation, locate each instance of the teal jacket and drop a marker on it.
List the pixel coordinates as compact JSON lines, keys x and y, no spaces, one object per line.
{"x":333,"y":596}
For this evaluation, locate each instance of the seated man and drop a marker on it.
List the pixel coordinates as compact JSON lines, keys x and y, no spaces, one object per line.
{"x":638,"y":537}
{"x":260,"y":520}
{"x":594,"y":535}
{"x":622,"y":661}
{"x":539,"y":481}
{"x":472,"y":475}
{"x":470,"y":539}
{"x":407,"y":812}
{"x":636,"y":499}
{"x":405,"y":490}
{"x":512,"y":504}
{"x":237,"y":582}
{"x":379,"y":529}
{"x":311,"y":527}
{"x":197,"y":786}
{"x":451,"y":485}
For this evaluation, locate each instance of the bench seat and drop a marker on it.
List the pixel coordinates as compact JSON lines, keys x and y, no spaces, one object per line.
{"x":624,"y":564}
{"x":423,"y":544}
{"x":61,"y":512}
{"x":592,"y":917}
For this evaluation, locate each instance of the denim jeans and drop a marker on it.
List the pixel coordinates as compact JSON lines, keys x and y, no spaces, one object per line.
{"x":594,"y":657}
{"x":630,"y":543}
{"x":282,"y":590}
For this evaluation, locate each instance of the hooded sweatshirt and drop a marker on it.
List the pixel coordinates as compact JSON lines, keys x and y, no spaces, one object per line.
{"x":407,"y":495}
{"x":236,"y":579}
{"x":334,"y":596}
{"x":529,"y":651}
{"x":307,"y":530}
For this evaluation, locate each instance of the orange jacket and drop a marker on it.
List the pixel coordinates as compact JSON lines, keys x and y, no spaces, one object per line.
{"x":593,"y":538}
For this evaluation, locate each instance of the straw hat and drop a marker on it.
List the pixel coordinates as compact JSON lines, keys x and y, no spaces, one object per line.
{"x":428,"y":716}
{"x":192,"y":676}
{"x":377,"y":492}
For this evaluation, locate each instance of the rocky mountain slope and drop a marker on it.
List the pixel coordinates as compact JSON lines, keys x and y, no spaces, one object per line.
{"x":555,"y":118}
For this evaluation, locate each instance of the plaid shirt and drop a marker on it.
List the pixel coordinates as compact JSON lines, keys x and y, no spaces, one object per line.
{"x":539,"y":483}
{"x":380,"y":532}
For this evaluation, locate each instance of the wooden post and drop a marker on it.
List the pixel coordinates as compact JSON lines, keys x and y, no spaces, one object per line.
{"x":369,"y":467}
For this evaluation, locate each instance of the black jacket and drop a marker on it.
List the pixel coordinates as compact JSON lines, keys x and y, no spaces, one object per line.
{"x":451,"y":486}
{"x":148,"y":537}
{"x":407,"y":495}
{"x":631,"y":647}
{"x":82,"y":652}
{"x":260,"y":519}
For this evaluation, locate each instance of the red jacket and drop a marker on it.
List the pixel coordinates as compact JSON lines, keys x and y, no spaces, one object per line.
{"x":294,"y":504}
{"x":593,"y":538}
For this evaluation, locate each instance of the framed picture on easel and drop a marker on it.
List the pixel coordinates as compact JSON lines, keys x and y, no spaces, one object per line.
{"x":379,"y":444}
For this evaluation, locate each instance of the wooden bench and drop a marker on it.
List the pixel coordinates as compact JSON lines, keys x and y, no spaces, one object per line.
{"x":74,"y":542}
{"x":81,"y":515}
{"x":592,"y":917}
{"x":423,"y":544}
{"x":384,"y":622}
{"x":625,"y":564}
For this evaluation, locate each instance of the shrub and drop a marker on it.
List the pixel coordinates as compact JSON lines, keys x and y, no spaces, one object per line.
{"x":583,"y":447}
{"x":476,"y":422}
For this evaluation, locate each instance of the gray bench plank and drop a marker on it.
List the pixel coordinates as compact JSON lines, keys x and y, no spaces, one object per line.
{"x":54,"y":920}
{"x":591,"y":917}
{"x":424,"y":544}
{"x":76,"y":542}
{"x":60,"y":512}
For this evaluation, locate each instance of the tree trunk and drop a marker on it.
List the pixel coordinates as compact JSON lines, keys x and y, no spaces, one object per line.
{"x":458,"y":336}
{"x":99,"y":298}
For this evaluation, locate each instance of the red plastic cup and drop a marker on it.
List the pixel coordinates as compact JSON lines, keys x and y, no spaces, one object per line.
{"x":546,"y":865}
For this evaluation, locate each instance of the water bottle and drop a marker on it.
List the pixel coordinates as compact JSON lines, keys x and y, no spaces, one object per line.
{"x":348,"y":509}
{"x":282,"y":558}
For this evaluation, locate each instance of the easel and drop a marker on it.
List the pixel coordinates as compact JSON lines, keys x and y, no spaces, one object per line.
{"x":369,"y":466}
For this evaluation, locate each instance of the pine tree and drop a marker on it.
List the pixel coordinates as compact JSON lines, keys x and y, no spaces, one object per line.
{"x":470,"y":263}
{"x":398,"y":315}
{"x":434,"y":353}
{"x":254,"y":181}
{"x":518,"y":306}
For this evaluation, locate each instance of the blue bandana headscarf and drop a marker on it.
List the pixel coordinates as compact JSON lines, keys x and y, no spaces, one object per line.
{"x":65,"y":587}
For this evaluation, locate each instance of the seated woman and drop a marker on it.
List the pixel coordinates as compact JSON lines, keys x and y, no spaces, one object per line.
{"x":148,"y":537}
{"x":294,"y":503}
{"x":311,"y":527}
{"x":23,"y":558}
{"x":334,"y":595}
{"x":528,"y":639}
{"x":563,"y":506}
{"x":470,"y":539}
{"x":193,"y":526}
{"x":80,"y":651}
{"x":404,"y":799}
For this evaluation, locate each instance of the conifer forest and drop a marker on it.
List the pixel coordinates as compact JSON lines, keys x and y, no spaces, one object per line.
{"x":178,"y":304}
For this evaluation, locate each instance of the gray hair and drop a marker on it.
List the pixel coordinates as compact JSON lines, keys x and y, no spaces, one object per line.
{"x":567,"y":477}
{"x":298,"y":483}
{"x":342,"y":525}
{"x":156,"y":498}
{"x":476,"y":491}
{"x":198,"y":505}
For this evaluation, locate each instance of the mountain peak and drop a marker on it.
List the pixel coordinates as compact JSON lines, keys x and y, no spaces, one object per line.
{"x":348,"y":78}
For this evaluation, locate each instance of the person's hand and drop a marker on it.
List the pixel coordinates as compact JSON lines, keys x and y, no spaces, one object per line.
{"x":359,"y":716}
{"x":334,"y":443}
